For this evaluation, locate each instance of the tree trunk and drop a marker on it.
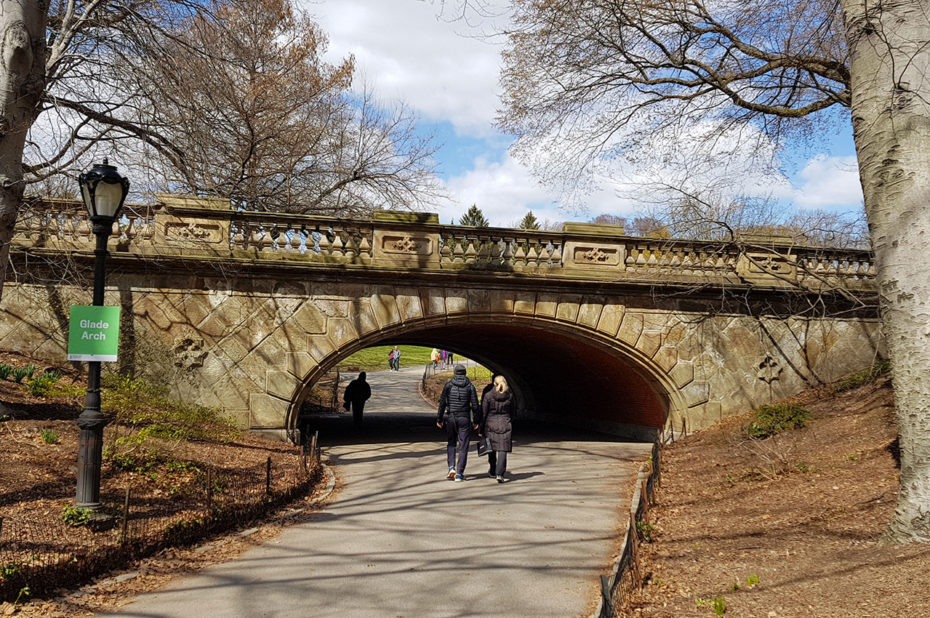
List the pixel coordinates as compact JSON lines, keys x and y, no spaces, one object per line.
{"x":890,"y":84}
{"x":22,"y":82}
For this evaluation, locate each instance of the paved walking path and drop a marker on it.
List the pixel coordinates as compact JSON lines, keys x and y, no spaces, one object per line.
{"x":400,"y":540}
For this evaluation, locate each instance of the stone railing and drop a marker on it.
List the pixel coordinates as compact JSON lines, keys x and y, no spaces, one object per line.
{"x":208,"y":228}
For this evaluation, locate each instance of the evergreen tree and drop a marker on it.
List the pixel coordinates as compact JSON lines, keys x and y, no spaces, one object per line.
{"x":529,"y":222}
{"x":474,"y":217}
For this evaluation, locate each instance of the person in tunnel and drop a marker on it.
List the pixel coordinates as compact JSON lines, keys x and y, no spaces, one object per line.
{"x":460,"y":399}
{"x":357,"y":393}
{"x":497,"y":405}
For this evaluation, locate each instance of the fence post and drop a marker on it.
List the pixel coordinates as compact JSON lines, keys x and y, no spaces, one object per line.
{"x":335,"y":401}
{"x":607,"y":606}
{"x":125,"y":534}
{"x":268,"y":477}
{"x":634,"y":547}
{"x":210,"y":489}
{"x":313,"y":446}
{"x":1,"y":527}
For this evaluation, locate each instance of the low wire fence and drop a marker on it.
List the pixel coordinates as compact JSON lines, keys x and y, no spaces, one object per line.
{"x":40,"y":552}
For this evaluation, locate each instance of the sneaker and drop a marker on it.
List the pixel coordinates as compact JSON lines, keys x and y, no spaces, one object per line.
{"x":451,"y":474}
{"x":459,"y":478}
{"x":491,"y":474}
{"x":500,"y":479}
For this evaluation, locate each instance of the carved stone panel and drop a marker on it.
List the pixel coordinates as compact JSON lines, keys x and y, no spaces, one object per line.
{"x":405,"y":248}
{"x":406,"y":244}
{"x":604,"y":257}
{"x":775,"y":269}
{"x":189,"y":352}
{"x":193,"y":231}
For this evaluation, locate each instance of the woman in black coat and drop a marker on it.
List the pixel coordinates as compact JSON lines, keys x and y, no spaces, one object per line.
{"x":497,"y":407}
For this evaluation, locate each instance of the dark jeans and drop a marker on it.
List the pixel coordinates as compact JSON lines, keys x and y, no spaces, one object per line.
{"x":458,"y":433}
{"x":497,"y":463}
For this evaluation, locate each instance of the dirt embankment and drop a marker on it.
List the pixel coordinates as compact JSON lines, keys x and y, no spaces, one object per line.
{"x":790,"y":526}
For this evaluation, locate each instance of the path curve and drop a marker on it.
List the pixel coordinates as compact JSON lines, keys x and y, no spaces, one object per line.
{"x":400,"y":540}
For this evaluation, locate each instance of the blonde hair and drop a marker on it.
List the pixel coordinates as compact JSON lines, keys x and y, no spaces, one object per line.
{"x":500,"y":384}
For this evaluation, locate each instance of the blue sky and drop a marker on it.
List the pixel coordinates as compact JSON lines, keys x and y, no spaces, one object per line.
{"x":446,"y":72}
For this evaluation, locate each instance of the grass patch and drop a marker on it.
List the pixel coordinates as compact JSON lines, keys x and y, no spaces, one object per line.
{"x":474,"y":372}
{"x":49,"y":436}
{"x":776,"y":418}
{"x":376,"y":357}
{"x":863,"y":377}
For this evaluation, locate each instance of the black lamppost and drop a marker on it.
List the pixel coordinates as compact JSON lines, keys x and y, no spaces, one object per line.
{"x":103,"y":191}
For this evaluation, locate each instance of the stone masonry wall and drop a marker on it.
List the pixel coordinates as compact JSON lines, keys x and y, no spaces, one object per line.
{"x":250,"y":346}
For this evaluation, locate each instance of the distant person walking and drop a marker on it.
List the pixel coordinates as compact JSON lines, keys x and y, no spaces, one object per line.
{"x":434,"y":357}
{"x":391,"y":360}
{"x":497,"y":407}
{"x":442,"y":359}
{"x":357,"y":393}
{"x":460,"y":399}
{"x":395,"y":359}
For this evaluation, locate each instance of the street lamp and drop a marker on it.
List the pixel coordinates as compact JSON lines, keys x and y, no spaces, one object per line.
{"x":103,"y":191}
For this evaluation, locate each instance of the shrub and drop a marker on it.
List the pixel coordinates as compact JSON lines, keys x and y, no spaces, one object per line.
{"x":21,"y":372}
{"x":139,"y":404}
{"x":645,"y":531}
{"x":776,"y":418}
{"x":863,"y":377}
{"x":41,"y":386}
{"x":49,"y":436}
{"x":5,"y":371}
{"x":74,"y":516}
{"x":10,"y":570}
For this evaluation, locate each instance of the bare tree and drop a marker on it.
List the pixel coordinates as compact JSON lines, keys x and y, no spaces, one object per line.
{"x":590,"y":76}
{"x":261,"y":119}
{"x":56,"y":71}
{"x":67,"y":97}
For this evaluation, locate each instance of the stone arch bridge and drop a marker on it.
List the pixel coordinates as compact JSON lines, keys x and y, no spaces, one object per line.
{"x":246,"y":310}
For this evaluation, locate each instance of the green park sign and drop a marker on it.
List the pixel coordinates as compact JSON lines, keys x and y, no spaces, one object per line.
{"x":93,"y":334}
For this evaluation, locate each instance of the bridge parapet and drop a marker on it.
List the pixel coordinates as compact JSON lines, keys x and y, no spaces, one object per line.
{"x":210,"y":229}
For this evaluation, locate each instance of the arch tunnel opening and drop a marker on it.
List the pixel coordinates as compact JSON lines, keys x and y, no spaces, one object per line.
{"x":560,"y":376}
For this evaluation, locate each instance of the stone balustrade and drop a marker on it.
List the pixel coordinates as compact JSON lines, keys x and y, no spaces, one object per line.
{"x":208,"y":228}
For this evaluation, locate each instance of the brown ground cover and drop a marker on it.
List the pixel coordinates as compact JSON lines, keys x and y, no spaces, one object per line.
{"x":790,"y":526}
{"x":38,"y":477}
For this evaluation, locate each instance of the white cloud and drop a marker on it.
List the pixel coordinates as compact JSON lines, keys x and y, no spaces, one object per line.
{"x":505,"y":191}
{"x":447,"y":72}
{"x":443,"y":69}
{"x":829,"y":181}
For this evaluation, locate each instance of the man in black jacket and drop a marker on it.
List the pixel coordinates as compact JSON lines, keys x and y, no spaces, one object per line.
{"x":460,"y":398}
{"x":357,"y":393}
